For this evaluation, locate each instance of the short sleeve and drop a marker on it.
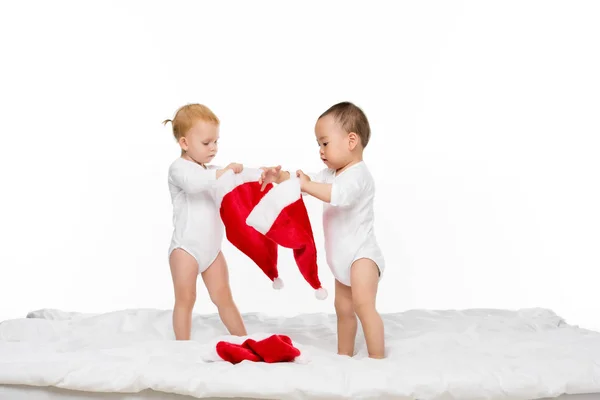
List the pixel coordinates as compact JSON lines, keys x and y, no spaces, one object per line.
{"x":323,"y":176}
{"x":344,"y":192}
{"x":316,"y":177}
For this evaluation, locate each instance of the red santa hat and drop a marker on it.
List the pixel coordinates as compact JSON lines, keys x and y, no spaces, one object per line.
{"x":236,"y":195}
{"x":281,"y":216}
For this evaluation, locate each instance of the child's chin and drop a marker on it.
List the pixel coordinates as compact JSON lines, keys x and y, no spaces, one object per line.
{"x":328,"y":164}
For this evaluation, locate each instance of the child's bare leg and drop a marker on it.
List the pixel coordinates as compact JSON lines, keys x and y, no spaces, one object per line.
{"x":184,"y":271}
{"x":365,"y":279}
{"x":346,"y":319}
{"x":216,"y":279}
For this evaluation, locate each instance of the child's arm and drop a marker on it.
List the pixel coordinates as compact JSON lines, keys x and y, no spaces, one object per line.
{"x":321,"y":191}
{"x":195,"y":179}
{"x":235,"y":167}
{"x":338,"y":194}
{"x":284,"y":176}
{"x":272,"y":175}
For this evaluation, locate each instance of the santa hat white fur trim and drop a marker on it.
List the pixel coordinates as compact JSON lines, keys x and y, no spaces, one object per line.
{"x":264,"y":215}
{"x":277,"y":284}
{"x":230,"y":180}
{"x":321,"y":293}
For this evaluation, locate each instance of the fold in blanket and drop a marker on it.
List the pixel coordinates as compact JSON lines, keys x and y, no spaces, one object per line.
{"x":275,"y":348}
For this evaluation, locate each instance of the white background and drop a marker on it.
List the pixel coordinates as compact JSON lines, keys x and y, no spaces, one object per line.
{"x":485,"y":120}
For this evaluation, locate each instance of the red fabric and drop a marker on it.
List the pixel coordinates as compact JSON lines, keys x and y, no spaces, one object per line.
{"x":275,"y":348}
{"x":292,"y":229}
{"x":235,"y":208}
{"x":236,"y":353}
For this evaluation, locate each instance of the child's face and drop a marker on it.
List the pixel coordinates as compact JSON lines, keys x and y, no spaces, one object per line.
{"x":334,"y":146}
{"x":200,"y":142}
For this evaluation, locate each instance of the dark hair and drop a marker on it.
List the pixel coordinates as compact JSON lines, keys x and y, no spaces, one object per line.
{"x":352,"y":119}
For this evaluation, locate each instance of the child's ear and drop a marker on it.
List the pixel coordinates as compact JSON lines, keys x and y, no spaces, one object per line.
{"x":353,"y":140}
{"x":183,"y":143}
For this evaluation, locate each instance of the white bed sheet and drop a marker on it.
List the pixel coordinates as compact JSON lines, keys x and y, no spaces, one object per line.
{"x":51,"y":393}
{"x":470,"y":354}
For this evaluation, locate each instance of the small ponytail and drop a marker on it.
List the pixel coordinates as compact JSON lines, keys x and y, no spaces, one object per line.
{"x":167,"y":120}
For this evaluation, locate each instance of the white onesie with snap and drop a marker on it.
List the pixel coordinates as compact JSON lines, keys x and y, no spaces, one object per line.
{"x":197,"y":225}
{"x":348,"y":220}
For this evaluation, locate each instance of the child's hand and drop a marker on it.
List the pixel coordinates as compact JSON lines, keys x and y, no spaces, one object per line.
{"x":269,"y":175}
{"x":304,"y":179}
{"x":235,"y":167}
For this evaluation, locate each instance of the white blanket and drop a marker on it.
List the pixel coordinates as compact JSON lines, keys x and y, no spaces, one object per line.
{"x":471,"y":354}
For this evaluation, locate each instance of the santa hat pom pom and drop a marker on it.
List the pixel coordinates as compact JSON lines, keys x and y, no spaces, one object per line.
{"x":321,"y":293}
{"x":277,"y":283}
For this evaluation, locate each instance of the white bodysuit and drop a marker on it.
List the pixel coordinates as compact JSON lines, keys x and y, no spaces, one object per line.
{"x":198,"y":228}
{"x":348,"y":220}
